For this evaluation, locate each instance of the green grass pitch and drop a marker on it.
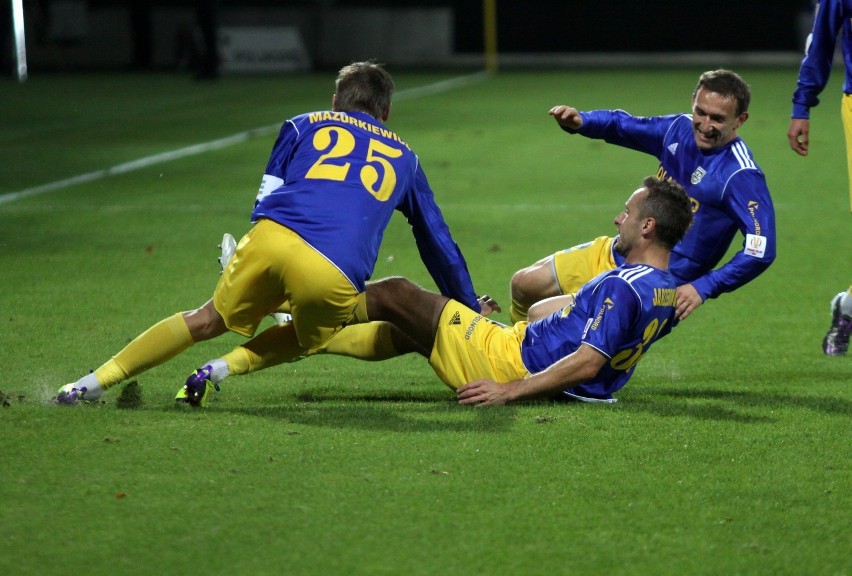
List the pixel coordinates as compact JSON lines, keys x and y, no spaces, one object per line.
{"x":727,"y":453}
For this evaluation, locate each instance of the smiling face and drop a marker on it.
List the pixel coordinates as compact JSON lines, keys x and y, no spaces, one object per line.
{"x":714,"y":119}
{"x":629,"y":222}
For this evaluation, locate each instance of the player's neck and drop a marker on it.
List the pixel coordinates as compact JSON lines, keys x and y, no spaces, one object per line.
{"x":650,"y":255}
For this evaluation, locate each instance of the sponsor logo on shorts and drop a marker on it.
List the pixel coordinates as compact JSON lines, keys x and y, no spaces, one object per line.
{"x":476,"y":320}
{"x":456,"y":319}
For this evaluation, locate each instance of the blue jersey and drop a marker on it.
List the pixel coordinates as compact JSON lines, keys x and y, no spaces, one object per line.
{"x":832,"y":17}
{"x":726,"y":187}
{"x":620,"y":313}
{"x":336,"y":178}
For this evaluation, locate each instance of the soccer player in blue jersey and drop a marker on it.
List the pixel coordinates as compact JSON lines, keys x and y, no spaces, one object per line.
{"x":584,"y":347}
{"x":832,"y":17}
{"x":331,"y":185}
{"x":703,"y":153}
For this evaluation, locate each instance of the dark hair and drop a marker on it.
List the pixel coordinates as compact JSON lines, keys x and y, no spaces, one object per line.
{"x":670,"y":207}
{"x":364,"y":87}
{"x":728,"y":84}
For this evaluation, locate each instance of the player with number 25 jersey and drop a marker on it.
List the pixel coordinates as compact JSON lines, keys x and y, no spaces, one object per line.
{"x":335,"y":178}
{"x":330,"y":187}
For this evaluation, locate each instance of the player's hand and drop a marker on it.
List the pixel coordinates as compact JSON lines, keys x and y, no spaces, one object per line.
{"x":484,"y":393}
{"x":488,"y":305}
{"x":688,"y":300}
{"x":567,"y":117}
{"x":798,"y":135}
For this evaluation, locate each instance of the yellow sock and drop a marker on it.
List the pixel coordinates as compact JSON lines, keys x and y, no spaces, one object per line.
{"x":371,"y":341}
{"x":271,"y":347}
{"x":159,"y":343}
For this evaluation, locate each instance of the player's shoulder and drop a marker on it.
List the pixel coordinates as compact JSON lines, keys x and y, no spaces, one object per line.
{"x":631,"y":278}
{"x":738,"y":160}
{"x":631,"y":273}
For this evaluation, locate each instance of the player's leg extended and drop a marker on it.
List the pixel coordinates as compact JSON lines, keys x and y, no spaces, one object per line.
{"x":371,"y":341}
{"x":409,"y":307}
{"x":160,"y":343}
{"x":846,"y":114}
{"x":277,"y":345}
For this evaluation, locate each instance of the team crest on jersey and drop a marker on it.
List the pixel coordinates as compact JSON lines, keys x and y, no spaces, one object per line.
{"x":697,"y":175}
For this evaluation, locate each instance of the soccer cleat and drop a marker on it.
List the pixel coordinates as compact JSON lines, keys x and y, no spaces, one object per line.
{"x":836,"y":341}
{"x":196,"y":391}
{"x":228,"y":246}
{"x":69,"y":395}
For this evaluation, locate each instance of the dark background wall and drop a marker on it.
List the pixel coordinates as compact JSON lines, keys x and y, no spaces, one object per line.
{"x":637,"y":25}
{"x":613,"y":25}
{"x":600,"y":26}
{"x":100,"y":34}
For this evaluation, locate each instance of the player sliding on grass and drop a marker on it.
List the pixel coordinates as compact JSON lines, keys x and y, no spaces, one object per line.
{"x":584,"y":348}
{"x":704,"y":154}
{"x":330,"y":187}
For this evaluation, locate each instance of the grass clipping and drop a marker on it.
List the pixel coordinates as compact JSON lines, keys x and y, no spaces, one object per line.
{"x":130,"y":396}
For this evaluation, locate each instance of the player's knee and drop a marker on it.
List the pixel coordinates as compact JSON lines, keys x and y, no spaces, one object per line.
{"x":523,"y":286}
{"x":533,"y":283}
{"x":205,"y":323}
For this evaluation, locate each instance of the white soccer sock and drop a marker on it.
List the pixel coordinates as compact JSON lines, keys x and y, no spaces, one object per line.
{"x":92,"y":386}
{"x":218,"y":370}
{"x":845,"y":303}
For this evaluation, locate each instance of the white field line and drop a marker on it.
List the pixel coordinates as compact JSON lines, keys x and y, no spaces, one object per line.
{"x":428,"y":90}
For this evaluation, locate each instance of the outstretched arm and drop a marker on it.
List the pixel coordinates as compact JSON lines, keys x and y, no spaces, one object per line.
{"x":572,"y":370}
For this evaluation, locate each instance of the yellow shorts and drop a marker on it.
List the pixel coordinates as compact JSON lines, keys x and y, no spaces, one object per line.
{"x":576,"y":266}
{"x":846,"y":114}
{"x":273,"y":265}
{"x":469,"y":347}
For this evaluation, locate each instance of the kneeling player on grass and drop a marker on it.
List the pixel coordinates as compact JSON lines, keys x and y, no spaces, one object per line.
{"x":583,"y":348}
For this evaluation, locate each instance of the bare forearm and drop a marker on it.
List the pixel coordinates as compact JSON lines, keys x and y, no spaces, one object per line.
{"x":572,"y":370}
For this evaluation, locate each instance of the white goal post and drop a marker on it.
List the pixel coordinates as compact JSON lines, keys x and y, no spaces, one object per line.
{"x":20,"y":39}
